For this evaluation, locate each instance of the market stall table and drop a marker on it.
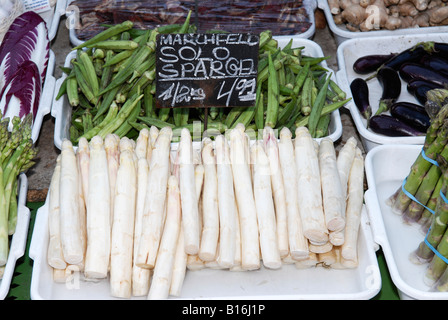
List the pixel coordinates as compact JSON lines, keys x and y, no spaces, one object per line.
{"x":40,"y":175}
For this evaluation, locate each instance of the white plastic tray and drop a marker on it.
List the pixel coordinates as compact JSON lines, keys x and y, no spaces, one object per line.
{"x":286,"y":283}
{"x":341,"y":33}
{"x":386,"y":168}
{"x":349,"y":51}
{"x":18,"y":242}
{"x":46,"y":98}
{"x":310,"y":6}
{"x":61,"y":109}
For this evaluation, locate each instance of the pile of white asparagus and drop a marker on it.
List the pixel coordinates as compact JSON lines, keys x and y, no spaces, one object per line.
{"x":141,"y":213}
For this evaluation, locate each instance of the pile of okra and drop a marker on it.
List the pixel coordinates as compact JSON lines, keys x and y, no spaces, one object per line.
{"x":110,"y":86}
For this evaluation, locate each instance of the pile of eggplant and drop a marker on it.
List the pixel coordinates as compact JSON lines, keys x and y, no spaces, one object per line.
{"x":422,"y":67}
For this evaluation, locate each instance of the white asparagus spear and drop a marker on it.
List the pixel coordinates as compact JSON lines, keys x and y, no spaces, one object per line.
{"x":298,"y":244}
{"x":344,"y":162}
{"x":123,"y":227}
{"x":111,"y":145}
{"x":264,"y":203}
{"x":82,"y":214}
{"x":153,"y":135}
{"x":55,"y":256}
{"x":210,"y":213}
{"x":193,"y":260}
{"x":309,"y":188}
{"x":98,"y":213}
{"x":71,"y":237}
{"x":226,"y":204}
{"x":141,"y":147}
{"x":332,"y":193}
{"x":337,"y":238}
{"x":309,"y":262}
{"x":321,"y":248}
{"x":141,"y":277}
{"x":355,"y":198}
{"x":278,"y":190}
{"x":190,"y":212}
{"x":153,"y":215}
{"x":83,"y":155}
{"x":242,"y":180}
{"x":199,"y":179}
{"x":161,"y":280}
{"x":236,"y":266}
{"x":327,"y":258}
{"x":179,"y":267}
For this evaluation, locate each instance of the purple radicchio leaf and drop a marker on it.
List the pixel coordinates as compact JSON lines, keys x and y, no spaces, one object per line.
{"x":22,"y":94}
{"x":26,"y":39}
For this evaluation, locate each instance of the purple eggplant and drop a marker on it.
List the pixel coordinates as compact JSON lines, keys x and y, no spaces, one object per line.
{"x":412,"y":54}
{"x":410,"y":71}
{"x":360,"y":94}
{"x":436,"y":63}
{"x":392,"y":127}
{"x":371,"y":63}
{"x":412,"y":114}
{"x":391,"y":83}
{"x":418,"y":89}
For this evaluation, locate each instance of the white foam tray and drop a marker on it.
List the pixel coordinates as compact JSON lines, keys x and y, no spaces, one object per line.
{"x":341,"y":33}
{"x":386,"y":168}
{"x":46,"y":98}
{"x":18,"y":242}
{"x":61,"y":109}
{"x":310,"y":6}
{"x":349,"y":51}
{"x":286,"y":283}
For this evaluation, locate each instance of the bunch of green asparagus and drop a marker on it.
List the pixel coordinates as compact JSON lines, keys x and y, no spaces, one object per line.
{"x":110,"y":86}
{"x":422,"y":198}
{"x":17,"y":154}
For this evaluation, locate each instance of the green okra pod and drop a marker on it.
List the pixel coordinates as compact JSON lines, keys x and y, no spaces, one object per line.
{"x":273,"y":96}
{"x":84,"y":85}
{"x":115,"y":45}
{"x":106,"y":34}
{"x":72,"y":91}
{"x":306,"y":96}
{"x":118,"y":57}
{"x":316,"y":110}
{"x":89,"y":71}
{"x":151,"y":121}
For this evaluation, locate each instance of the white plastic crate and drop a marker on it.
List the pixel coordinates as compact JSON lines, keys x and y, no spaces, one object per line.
{"x":61,"y":109}
{"x":361,"y":283}
{"x":18,"y":241}
{"x":349,"y":51}
{"x":386,"y":168}
{"x":310,"y":6}
{"x":341,"y":33}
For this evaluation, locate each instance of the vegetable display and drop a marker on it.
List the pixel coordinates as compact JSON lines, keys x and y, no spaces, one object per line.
{"x":111,"y":88}
{"x":422,"y":198}
{"x":24,"y":55}
{"x":230,"y":204}
{"x":370,"y":15}
{"x":420,"y":67}
{"x":17,"y":155}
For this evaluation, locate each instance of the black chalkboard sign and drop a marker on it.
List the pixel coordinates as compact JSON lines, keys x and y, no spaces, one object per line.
{"x":205,"y":70}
